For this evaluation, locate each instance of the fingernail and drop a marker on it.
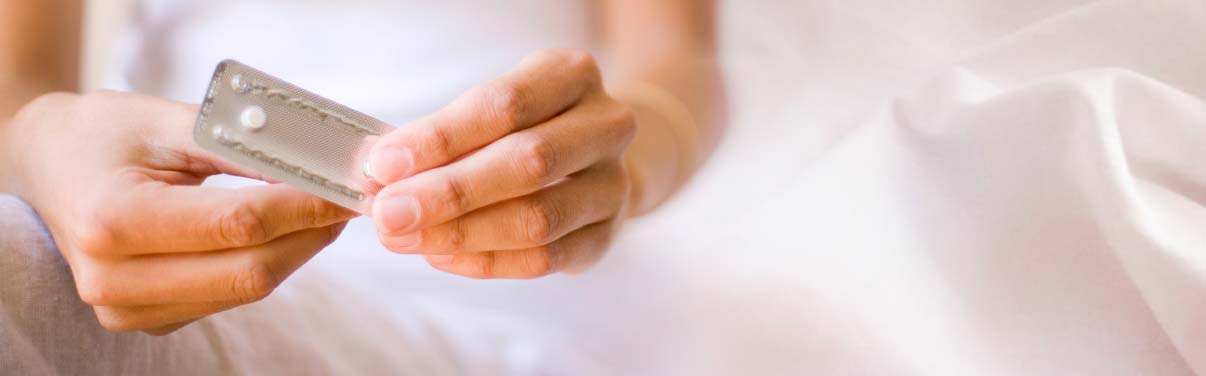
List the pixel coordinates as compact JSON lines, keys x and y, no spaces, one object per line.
{"x":398,"y":213}
{"x":391,"y":163}
{"x":405,"y":242}
{"x":440,"y":259}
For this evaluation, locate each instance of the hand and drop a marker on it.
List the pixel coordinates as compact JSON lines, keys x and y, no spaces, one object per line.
{"x":114,"y":176}
{"x":518,"y":178}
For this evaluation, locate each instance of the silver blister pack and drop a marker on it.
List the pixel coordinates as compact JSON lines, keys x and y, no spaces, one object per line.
{"x":289,"y":134}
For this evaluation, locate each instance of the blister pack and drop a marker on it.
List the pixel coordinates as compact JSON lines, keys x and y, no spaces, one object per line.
{"x":289,"y":134}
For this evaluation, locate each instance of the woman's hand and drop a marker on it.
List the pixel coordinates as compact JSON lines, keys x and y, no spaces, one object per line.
{"x":518,"y":178}
{"x":114,"y":176}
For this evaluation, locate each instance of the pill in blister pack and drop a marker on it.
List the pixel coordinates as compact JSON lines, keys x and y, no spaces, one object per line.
{"x":289,"y":134}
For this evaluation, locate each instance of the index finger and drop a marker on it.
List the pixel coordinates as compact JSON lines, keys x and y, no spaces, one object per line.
{"x":167,"y":129}
{"x":161,"y":218}
{"x":544,"y":85}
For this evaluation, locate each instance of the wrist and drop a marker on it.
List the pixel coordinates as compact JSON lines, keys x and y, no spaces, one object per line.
{"x":665,"y":152}
{"x":636,"y":187}
{"x":7,"y":173}
{"x":14,"y":148}
{"x":13,"y":100}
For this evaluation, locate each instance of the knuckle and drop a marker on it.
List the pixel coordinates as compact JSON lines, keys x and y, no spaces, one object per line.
{"x":96,"y":235}
{"x":94,"y":240}
{"x":449,"y":238}
{"x":477,"y":266}
{"x":538,"y":222}
{"x":240,"y":224}
{"x":537,"y":262}
{"x":581,"y":61}
{"x":537,"y":159}
{"x":484,"y":268}
{"x":506,"y":104}
{"x":254,"y":281}
{"x":116,"y":320}
{"x":456,"y":237}
{"x":452,"y":197}
{"x":322,"y":212}
{"x":93,"y":289}
{"x":434,"y":140}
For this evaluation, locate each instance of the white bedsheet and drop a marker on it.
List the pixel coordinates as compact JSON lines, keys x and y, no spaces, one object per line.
{"x":1006,"y":208}
{"x":921,"y":187}
{"x":908,"y":187}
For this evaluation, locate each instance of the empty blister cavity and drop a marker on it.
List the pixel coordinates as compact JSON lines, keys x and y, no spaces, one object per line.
{"x":239,"y":85}
{"x":366,"y":170}
{"x":218,"y":132}
{"x":289,"y":134}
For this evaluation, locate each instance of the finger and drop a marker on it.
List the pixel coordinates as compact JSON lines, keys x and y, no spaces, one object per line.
{"x":543,"y":85}
{"x":572,"y":253}
{"x":154,"y":217}
{"x":170,"y":142}
{"x":157,"y":319}
{"x":244,"y":275}
{"x":518,"y":164}
{"x":529,"y":221}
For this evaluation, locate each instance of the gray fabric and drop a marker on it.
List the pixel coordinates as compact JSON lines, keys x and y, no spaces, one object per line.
{"x":310,"y":325}
{"x":45,"y":329}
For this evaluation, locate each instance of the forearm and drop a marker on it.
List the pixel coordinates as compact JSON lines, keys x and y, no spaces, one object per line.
{"x":679,"y":114}
{"x":40,"y":43}
{"x":6,"y":173}
{"x":663,"y":65}
{"x":9,"y":103}
{"x":12,"y":99}
{"x":39,"y":53}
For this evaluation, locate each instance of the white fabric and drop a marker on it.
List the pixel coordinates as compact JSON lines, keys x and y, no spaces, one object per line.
{"x":987,"y":222}
{"x":907,"y":187}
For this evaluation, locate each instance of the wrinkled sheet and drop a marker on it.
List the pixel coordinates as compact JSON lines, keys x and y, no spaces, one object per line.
{"x":914,"y":187}
{"x":1021,"y":200}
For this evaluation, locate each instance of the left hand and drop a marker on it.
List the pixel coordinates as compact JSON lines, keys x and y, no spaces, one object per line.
{"x":518,"y":178}
{"x":115,"y":177}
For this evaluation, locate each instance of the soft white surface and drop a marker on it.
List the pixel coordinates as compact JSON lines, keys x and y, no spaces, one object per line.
{"x":908,"y":187}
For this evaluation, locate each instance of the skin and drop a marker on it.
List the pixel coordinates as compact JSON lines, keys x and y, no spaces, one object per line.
{"x":148,"y":248}
{"x":534,"y":172}
{"x":527,"y":175}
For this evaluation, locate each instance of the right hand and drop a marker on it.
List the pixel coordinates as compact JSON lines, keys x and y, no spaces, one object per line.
{"x":115,"y":178}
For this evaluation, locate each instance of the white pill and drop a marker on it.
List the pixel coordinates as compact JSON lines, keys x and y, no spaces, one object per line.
{"x":253,"y":117}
